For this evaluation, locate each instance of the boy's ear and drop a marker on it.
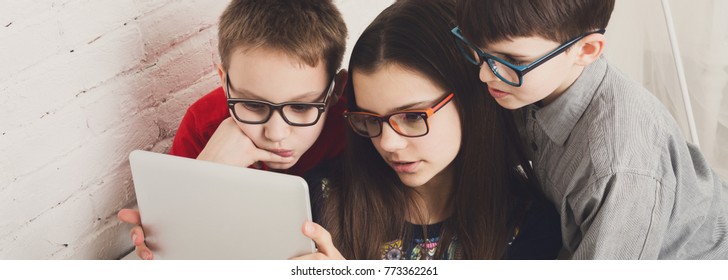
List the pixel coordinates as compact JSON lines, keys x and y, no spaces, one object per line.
{"x":221,"y":73}
{"x":590,"y":49}
{"x":341,"y":78}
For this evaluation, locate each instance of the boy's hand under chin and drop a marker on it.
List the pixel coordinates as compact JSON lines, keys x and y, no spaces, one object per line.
{"x":322,"y":238}
{"x":229,"y":145}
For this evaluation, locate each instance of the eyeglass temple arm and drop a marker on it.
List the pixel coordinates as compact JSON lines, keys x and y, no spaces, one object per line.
{"x":559,"y":51}
{"x":442,"y":103}
{"x":330,"y":90}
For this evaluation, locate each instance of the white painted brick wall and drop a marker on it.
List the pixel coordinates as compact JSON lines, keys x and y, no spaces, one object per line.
{"x":83,"y":83}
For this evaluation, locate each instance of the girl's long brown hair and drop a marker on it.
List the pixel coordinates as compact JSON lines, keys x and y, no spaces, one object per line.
{"x":368,"y":206}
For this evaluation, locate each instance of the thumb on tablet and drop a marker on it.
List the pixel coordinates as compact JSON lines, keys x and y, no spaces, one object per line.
{"x":322,"y":238}
{"x":129,"y":216}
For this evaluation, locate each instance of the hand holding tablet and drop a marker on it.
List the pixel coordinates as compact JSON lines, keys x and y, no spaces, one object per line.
{"x":240,"y":213}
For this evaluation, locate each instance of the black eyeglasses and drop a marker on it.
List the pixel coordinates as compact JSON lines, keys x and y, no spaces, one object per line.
{"x":294,"y":113}
{"x":409,"y":123}
{"x":505,"y":71}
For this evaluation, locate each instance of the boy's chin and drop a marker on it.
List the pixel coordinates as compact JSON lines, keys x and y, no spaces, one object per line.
{"x":511,"y":104}
{"x":279,"y":166}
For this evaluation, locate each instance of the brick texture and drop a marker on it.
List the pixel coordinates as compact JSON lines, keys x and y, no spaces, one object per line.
{"x":82,"y":84}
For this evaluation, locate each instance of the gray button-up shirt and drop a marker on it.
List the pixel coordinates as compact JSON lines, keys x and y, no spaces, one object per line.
{"x":625,"y":181}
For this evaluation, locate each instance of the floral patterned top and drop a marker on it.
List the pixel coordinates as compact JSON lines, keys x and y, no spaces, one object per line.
{"x":537,"y":237}
{"x":420,"y":248}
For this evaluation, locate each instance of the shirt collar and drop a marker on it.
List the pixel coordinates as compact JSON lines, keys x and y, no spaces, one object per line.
{"x":559,"y":118}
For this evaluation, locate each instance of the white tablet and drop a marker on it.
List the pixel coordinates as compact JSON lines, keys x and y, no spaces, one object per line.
{"x":193,"y":209}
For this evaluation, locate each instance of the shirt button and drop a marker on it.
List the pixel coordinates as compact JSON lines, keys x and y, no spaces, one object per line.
{"x":534,"y":147}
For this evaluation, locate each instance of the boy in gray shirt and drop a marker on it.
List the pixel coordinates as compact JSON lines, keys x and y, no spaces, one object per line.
{"x":607,"y":153}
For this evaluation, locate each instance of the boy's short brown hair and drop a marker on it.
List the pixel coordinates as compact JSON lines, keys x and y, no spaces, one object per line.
{"x":491,"y":21}
{"x":308,"y":30}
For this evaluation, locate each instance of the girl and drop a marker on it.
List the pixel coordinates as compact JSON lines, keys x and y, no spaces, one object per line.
{"x":432,"y":170}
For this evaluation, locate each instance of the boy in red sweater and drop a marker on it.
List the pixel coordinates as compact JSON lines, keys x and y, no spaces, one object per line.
{"x":277,"y":108}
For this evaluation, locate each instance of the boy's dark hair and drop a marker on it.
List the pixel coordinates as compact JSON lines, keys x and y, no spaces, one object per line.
{"x":483,"y":22}
{"x":310,"y":31}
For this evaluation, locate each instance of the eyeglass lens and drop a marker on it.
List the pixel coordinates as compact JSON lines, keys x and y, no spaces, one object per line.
{"x":504,"y":72}
{"x":251,"y":111}
{"x":406,"y":123}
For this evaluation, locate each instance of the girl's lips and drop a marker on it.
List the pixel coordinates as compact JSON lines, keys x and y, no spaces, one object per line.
{"x":497,"y":94}
{"x":405,"y":167}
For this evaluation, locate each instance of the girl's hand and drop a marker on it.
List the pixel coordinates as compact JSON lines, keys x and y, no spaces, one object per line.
{"x":131,"y":216}
{"x":322,"y":238}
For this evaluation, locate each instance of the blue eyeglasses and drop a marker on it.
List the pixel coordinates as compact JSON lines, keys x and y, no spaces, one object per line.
{"x":504,"y":70}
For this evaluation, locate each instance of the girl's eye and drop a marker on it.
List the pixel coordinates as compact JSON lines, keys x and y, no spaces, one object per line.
{"x":412,"y":117}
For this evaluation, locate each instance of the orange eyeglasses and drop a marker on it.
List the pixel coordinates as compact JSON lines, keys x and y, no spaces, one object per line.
{"x":408,"y":123}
